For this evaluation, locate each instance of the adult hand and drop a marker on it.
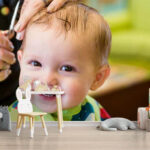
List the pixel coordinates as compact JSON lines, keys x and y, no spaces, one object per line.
{"x":7,"y":57}
{"x":31,"y":7}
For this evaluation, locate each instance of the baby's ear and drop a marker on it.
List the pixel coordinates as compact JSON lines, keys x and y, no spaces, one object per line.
{"x":19,"y":55}
{"x":101,"y":75}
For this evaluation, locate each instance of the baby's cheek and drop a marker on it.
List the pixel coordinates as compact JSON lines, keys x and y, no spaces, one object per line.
{"x":26,"y":75}
{"x":77,"y":92}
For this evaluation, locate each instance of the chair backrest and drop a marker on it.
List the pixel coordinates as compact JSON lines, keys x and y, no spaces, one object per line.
{"x":24,"y":104}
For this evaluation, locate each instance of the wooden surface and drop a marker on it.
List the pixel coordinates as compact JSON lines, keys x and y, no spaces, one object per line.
{"x":75,"y":137}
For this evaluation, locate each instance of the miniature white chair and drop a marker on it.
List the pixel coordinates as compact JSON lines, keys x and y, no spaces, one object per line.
{"x":25,"y":109}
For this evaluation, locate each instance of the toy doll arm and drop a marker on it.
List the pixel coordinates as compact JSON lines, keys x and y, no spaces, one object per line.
{"x":113,"y":124}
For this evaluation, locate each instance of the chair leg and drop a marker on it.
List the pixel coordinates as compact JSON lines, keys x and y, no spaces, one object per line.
{"x":59,"y":111}
{"x":24,"y":122}
{"x":18,"y":120}
{"x":31,"y":127}
{"x":62,"y":125}
{"x":43,"y":124}
{"x":19,"y":123}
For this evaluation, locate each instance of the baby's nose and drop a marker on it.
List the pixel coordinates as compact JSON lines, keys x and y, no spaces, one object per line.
{"x":51,"y":79}
{"x":52,"y":82}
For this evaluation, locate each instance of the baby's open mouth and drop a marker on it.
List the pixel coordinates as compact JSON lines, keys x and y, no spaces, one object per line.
{"x":48,"y":97}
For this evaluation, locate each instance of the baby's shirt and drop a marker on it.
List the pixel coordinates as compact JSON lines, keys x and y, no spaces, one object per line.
{"x":88,"y":110}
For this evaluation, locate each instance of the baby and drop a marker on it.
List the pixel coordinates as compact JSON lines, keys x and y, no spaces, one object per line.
{"x":68,"y":48}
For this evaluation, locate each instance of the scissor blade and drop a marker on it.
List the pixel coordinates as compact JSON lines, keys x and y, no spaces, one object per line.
{"x":11,"y":27}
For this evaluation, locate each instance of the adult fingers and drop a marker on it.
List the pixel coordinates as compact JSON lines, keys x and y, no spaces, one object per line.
{"x":4,"y":74}
{"x":24,"y":6}
{"x":8,"y":34}
{"x":30,"y":8}
{"x":7,"y":56}
{"x":5,"y":42}
{"x":55,"y":5}
{"x":4,"y":65}
{"x":20,"y":35}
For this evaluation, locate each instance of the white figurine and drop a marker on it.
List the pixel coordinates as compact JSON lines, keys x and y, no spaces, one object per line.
{"x":24,"y":104}
{"x":113,"y":124}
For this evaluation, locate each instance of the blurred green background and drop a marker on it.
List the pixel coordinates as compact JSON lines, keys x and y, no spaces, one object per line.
{"x":129,"y":21}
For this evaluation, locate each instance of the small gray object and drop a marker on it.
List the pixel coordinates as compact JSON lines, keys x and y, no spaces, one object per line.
{"x":1,"y":115}
{"x":114,"y":124}
{"x":5,"y":123}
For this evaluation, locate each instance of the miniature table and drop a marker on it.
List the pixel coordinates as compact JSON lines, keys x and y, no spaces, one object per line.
{"x":59,"y":105}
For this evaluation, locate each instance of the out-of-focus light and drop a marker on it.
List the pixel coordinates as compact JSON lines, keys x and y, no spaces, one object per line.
{"x":5,"y":11}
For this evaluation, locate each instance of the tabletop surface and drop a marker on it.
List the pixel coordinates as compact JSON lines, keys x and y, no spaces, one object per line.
{"x":74,"y":137}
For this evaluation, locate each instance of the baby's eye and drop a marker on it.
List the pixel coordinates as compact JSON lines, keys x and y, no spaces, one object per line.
{"x":67,"y":68}
{"x":35,"y":63}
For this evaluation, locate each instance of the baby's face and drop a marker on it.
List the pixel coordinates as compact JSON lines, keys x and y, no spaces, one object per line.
{"x":56,"y":60}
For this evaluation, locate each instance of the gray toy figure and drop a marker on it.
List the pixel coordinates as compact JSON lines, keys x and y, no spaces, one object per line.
{"x":5,"y":124}
{"x":113,"y":124}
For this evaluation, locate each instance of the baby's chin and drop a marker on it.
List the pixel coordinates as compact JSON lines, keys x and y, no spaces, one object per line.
{"x":47,"y":109}
{"x":52,"y":109}
{"x":44,"y":107}
{"x":51,"y":106}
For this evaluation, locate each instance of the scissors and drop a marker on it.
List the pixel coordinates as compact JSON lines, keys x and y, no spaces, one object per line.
{"x":13,"y":20}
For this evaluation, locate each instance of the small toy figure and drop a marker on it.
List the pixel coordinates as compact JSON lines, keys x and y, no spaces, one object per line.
{"x":25,"y":84}
{"x":5,"y":124}
{"x":113,"y":124}
{"x":148,"y":115}
{"x":55,"y":88}
{"x":144,"y":117}
{"x":39,"y":87}
{"x":1,"y":115}
{"x":24,"y":104}
{"x":141,"y":118}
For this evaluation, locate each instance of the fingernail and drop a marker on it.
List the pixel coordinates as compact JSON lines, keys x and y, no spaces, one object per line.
{"x":50,"y":9}
{"x":18,"y":36}
{"x":17,"y":27}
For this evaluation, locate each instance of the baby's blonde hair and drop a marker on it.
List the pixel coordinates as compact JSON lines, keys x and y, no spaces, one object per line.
{"x":79,"y":18}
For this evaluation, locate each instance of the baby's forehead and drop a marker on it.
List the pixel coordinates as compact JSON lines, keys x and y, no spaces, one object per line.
{"x":40,"y":31}
{"x":75,"y":41}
